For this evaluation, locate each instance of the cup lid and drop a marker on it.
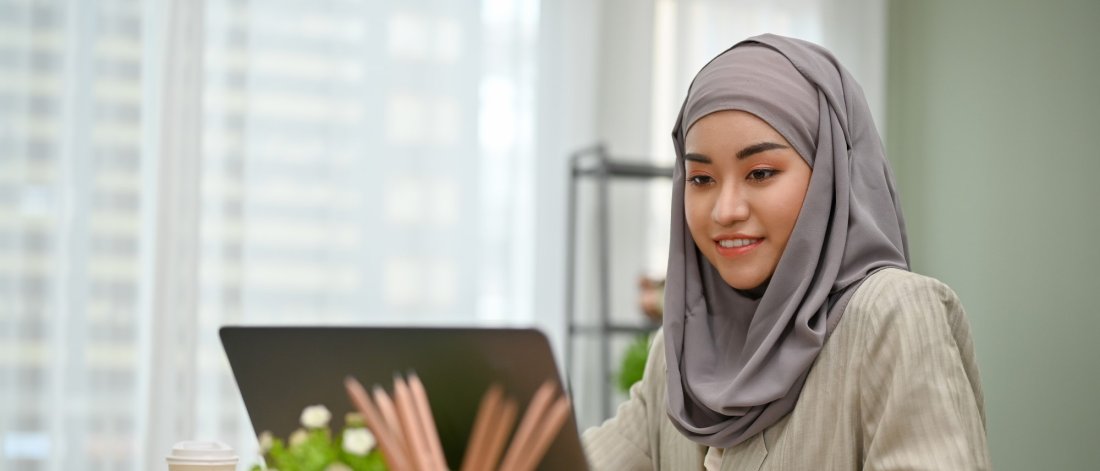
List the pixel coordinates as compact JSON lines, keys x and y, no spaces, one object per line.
{"x":205,"y":452}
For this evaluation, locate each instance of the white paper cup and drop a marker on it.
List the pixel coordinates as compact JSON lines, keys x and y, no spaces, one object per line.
{"x":202,"y":456}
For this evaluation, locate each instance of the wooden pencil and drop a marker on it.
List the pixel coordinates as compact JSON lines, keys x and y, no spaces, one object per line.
{"x":479,"y":435}
{"x":394,"y":456}
{"x":427,"y":422}
{"x":385,"y":406}
{"x":410,"y":424}
{"x":502,"y":428}
{"x":535,"y":410}
{"x":552,"y":421}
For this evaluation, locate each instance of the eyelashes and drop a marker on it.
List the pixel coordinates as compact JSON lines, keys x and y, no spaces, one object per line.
{"x":761,"y":174}
{"x":699,"y":180}
{"x":757,"y":175}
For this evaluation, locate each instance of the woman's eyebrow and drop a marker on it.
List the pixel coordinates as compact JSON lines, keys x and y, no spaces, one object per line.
{"x":698,"y":158}
{"x":741,"y":154}
{"x":758,"y":148}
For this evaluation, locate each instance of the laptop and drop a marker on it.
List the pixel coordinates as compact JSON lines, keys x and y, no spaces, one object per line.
{"x":281,"y":370}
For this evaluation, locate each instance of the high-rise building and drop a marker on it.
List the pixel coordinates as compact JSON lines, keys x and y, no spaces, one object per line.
{"x":359,"y":163}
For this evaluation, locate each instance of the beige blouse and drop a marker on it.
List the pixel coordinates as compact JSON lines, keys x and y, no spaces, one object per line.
{"x":896,"y":387}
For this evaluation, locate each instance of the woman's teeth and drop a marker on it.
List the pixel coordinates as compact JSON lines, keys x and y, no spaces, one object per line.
{"x":730,"y":243}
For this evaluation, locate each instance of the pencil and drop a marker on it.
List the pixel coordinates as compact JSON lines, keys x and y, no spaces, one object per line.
{"x":427,"y":422}
{"x":501,"y":429}
{"x":393,"y":454}
{"x":410,"y":424}
{"x":389,"y":413}
{"x":554,"y":419}
{"x":479,"y":436}
{"x":527,"y":425}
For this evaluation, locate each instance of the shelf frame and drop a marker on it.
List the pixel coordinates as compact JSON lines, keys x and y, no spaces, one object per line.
{"x":594,"y":162}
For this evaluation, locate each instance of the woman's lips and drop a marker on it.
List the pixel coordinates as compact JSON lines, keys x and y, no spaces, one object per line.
{"x":737,"y":251}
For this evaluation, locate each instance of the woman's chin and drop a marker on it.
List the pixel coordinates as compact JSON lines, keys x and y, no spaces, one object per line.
{"x":745,"y":282}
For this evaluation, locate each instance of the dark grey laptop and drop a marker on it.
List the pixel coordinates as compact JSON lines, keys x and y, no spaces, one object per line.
{"x":280,"y":370}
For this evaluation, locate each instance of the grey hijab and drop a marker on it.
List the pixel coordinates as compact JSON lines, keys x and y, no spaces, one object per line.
{"x":737,"y":360}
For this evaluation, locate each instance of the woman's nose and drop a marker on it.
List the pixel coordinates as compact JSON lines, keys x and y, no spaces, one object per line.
{"x":730,"y":207}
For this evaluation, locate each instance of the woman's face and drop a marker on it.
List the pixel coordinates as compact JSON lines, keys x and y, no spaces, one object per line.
{"x":745,"y":186}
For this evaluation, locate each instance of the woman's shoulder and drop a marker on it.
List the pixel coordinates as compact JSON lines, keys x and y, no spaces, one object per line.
{"x":897,"y":295}
{"x":654,"y":378}
{"x":656,"y":356}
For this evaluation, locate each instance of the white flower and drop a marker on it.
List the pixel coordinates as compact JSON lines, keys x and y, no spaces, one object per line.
{"x":358,"y":441}
{"x":266,"y":440}
{"x":297,"y":438}
{"x":338,"y":467}
{"x":315,"y":417}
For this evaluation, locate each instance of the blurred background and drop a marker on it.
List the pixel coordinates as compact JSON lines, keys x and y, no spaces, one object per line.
{"x":167,"y":167}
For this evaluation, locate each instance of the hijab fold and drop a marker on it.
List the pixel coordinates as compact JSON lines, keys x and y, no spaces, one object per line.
{"x":737,"y":360}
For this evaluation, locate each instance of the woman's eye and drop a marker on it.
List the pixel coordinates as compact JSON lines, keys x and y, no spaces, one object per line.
{"x":699,"y":180}
{"x":761,"y":174}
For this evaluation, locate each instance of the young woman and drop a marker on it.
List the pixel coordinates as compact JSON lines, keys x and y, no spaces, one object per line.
{"x":794,"y":336}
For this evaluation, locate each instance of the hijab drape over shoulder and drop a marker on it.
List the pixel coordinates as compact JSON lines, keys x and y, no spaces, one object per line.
{"x":737,"y":360}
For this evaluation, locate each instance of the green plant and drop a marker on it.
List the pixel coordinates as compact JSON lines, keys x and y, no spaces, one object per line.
{"x":313,"y":448}
{"x":633,"y":365}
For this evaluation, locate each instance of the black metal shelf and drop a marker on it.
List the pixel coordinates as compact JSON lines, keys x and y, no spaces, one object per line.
{"x":611,"y":168}
{"x":595,"y":163}
{"x":576,"y":329}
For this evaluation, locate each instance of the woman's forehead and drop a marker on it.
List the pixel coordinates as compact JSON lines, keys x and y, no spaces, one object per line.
{"x":759,"y":80}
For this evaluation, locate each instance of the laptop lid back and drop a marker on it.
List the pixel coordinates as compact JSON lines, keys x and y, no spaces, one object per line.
{"x":281,"y":370}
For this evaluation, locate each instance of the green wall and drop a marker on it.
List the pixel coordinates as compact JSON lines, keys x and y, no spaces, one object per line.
{"x":993,"y":130}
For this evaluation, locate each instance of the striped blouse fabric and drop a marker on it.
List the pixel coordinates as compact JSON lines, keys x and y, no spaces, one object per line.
{"x":896,"y":387}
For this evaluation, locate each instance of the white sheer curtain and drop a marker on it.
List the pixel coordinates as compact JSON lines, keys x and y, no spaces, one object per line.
{"x":167,"y":167}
